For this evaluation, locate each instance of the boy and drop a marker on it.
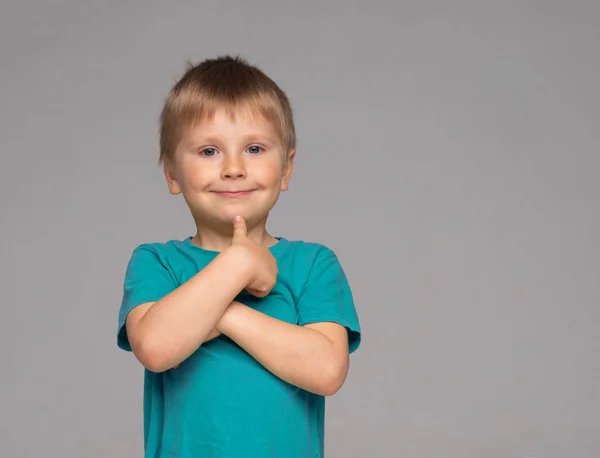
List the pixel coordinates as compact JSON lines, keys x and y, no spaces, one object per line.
{"x":242,"y":334}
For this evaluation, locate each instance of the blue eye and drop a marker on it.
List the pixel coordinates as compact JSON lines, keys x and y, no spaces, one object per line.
{"x":208,"y":152}
{"x":255,"y":149}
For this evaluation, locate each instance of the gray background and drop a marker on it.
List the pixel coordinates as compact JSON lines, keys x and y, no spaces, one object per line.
{"x":448,"y":152}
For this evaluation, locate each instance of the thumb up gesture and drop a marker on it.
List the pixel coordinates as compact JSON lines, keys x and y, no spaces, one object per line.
{"x":262,"y":266}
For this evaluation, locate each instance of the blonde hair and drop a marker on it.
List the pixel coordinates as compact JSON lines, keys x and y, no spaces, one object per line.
{"x":229,"y":83}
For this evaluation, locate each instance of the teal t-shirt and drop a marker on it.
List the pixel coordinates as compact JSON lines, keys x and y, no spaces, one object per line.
{"x":221,"y":403}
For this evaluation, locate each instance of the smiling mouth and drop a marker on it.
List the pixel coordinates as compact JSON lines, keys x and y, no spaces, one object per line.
{"x":232,"y":193}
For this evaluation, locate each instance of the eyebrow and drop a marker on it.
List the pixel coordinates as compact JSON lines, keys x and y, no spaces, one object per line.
{"x":250,"y":138}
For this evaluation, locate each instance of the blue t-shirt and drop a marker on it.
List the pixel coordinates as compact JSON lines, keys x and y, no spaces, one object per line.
{"x":220,"y":402}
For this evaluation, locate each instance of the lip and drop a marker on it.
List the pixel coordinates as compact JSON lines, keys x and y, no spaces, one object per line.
{"x":232,"y":193}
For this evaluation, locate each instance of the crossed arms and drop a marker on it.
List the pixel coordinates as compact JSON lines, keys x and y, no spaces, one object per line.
{"x":164,"y":333}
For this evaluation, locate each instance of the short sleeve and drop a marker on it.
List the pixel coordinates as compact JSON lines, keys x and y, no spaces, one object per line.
{"x":146,"y":280}
{"x":327,"y":296}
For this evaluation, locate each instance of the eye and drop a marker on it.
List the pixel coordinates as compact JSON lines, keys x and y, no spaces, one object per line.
{"x":255,"y":149}
{"x":208,"y":152}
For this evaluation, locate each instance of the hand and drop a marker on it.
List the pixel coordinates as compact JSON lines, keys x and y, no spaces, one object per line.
{"x":262,"y":266}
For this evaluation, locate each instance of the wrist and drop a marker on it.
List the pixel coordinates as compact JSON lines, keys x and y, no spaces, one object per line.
{"x":240,"y":263}
{"x":228,"y":317}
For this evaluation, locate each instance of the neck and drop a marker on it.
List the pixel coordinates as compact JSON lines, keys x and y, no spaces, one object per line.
{"x":218,"y":239}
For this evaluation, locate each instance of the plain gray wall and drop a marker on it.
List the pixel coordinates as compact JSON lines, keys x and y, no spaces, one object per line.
{"x":448,"y":152}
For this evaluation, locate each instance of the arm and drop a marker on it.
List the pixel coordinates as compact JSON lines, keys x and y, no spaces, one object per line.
{"x":313,"y":357}
{"x":164,"y":333}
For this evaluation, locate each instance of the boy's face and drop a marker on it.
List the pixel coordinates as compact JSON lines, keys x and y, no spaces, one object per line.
{"x":226,"y":167}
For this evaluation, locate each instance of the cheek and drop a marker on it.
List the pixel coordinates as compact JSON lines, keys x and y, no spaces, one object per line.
{"x":197,"y":177}
{"x":270,"y":174}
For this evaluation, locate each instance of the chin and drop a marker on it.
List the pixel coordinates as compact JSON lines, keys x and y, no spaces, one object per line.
{"x":224,"y":216}
{"x":250,"y":217}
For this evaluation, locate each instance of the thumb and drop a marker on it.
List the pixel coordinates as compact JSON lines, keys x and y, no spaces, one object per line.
{"x":239,"y":228}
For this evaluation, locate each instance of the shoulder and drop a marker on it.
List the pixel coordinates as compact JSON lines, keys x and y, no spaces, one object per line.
{"x":311,"y":253}
{"x":157,"y":251}
{"x":163,"y":246}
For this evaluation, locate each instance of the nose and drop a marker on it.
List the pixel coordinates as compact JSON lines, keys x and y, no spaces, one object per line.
{"x":233,"y":167}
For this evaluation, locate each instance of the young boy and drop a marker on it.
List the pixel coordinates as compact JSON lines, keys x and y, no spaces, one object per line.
{"x":242,"y":334}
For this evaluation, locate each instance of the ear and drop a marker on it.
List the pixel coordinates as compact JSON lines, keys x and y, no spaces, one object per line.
{"x":287,"y":171}
{"x":172,"y":183}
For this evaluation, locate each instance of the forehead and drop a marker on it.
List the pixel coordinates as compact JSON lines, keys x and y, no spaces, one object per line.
{"x":240,"y":120}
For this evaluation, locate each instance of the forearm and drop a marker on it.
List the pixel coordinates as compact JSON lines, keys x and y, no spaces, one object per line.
{"x":176,"y":325}
{"x":301,"y":356}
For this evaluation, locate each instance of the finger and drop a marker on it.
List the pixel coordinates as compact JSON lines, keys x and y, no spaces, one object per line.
{"x":239,"y":228}
{"x":254,"y":292}
{"x":258,"y":293}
